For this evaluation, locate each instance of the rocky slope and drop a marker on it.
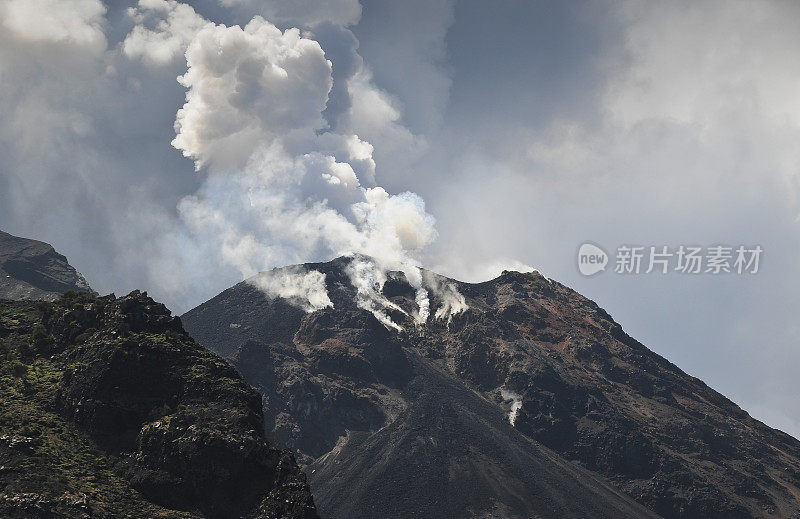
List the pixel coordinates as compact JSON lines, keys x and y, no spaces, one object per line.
{"x":396,"y":423}
{"x":108,"y":409}
{"x":31,"y":269}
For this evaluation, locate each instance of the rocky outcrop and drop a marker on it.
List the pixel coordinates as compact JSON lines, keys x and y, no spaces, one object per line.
{"x":108,"y":397}
{"x":363,"y":406}
{"x":33,"y":270}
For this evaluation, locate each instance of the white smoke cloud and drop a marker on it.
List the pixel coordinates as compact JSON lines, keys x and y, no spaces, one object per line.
{"x":378,"y":116}
{"x":303,"y":288}
{"x":247,"y":88}
{"x":516,"y":404}
{"x":279,"y":183}
{"x":369,"y":278}
{"x":281,"y":187}
{"x":162,"y":32}
{"x":452,"y":301}
{"x":423,"y":305}
{"x":68,"y":21}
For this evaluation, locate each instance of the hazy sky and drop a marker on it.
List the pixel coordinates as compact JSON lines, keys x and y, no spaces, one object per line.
{"x":527,"y":128}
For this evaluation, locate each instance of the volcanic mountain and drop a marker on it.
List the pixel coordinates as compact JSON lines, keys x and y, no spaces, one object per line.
{"x":512,"y":398}
{"x":31,"y":269}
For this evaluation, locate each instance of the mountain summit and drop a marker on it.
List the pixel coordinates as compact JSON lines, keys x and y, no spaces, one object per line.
{"x":31,"y":269}
{"x":516,"y":397}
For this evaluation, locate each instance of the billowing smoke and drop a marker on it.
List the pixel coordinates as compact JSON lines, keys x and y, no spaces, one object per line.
{"x":78,"y":22}
{"x":452,"y":301}
{"x":516,"y":404}
{"x":424,"y":305}
{"x":304,"y":288}
{"x":280,"y":185}
{"x":369,"y":278}
{"x":163,"y":30}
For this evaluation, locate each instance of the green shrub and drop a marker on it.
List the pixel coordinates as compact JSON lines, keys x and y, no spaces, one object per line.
{"x":17,"y":369}
{"x":24,"y":350}
{"x":40,"y":339}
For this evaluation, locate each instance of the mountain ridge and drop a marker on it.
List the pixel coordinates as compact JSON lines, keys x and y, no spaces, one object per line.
{"x":586,"y":390}
{"x":110,"y":409}
{"x":32,"y":269}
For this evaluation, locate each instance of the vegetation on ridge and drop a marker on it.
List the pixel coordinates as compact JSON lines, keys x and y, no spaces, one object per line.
{"x":109,"y":409}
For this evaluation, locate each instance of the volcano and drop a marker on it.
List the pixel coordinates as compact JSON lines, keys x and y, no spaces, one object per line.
{"x":513,"y":398}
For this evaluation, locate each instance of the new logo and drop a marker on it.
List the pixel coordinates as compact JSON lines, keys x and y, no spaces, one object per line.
{"x":591,"y":259}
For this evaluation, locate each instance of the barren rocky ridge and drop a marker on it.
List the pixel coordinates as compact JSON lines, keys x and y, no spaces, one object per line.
{"x":401,"y":420}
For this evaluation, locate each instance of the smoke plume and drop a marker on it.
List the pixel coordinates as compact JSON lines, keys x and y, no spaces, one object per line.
{"x":516,"y":404}
{"x":303,"y":288}
{"x":452,"y":302}
{"x":280,"y":186}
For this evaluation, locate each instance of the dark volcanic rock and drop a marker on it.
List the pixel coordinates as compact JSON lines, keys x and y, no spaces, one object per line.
{"x":31,"y":269}
{"x":596,"y":395}
{"x":344,"y":392}
{"x":451,"y":453}
{"x":398,"y":424}
{"x":111,"y":402}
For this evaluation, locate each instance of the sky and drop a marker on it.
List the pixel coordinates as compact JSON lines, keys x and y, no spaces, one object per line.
{"x":179,"y":148}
